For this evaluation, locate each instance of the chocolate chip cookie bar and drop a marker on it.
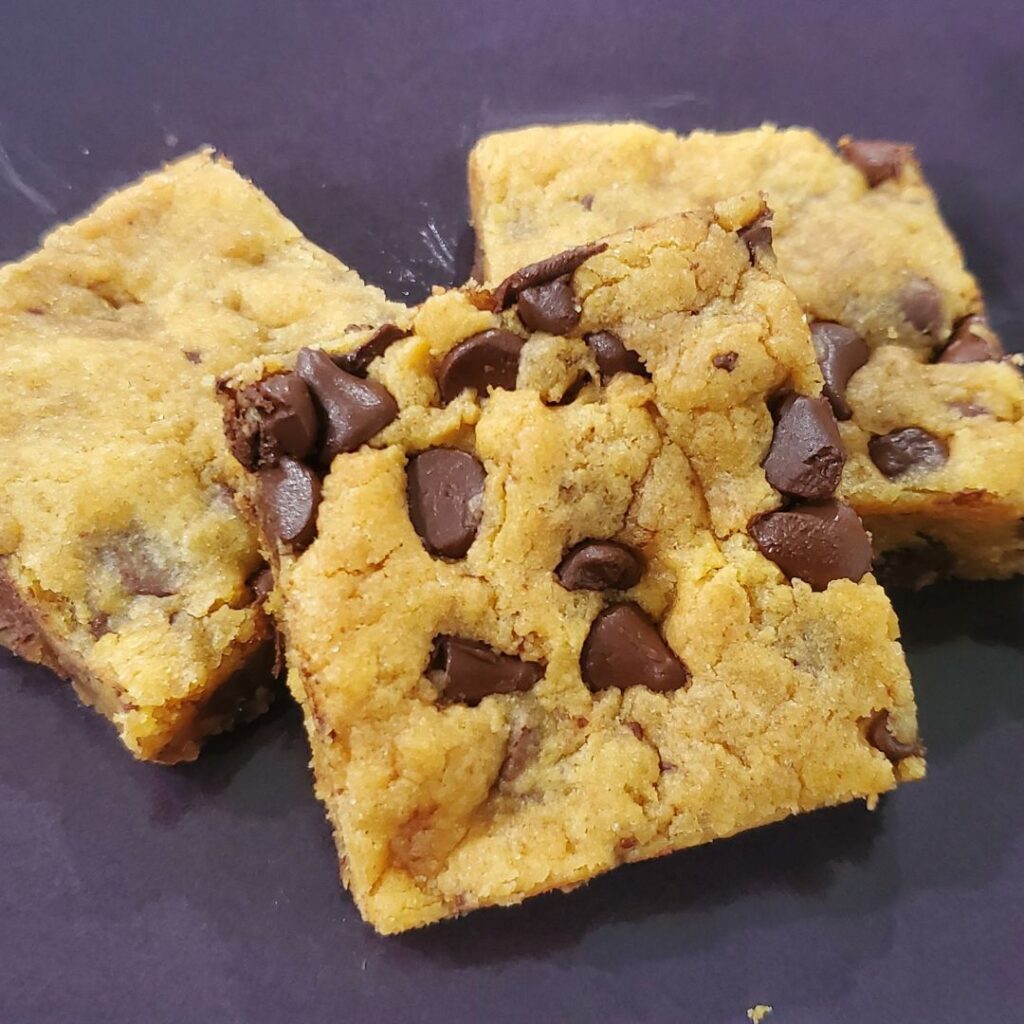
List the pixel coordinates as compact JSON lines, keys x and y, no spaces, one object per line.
{"x":124,"y":564}
{"x":930,"y":410}
{"x":545,"y":609}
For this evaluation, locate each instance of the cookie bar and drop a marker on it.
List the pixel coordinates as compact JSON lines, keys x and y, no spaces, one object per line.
{"x":124,"y":565}
{"x":931,"y":413}
{"x":524,"y":654}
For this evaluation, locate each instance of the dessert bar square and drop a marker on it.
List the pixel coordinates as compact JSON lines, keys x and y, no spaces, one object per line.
{"x":545,"y":610}
{"x":931,"y":413}
{"x":124,"y":564}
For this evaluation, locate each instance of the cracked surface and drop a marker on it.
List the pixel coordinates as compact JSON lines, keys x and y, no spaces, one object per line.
{"x":125,"y":563}
{"x":848,"y":251}
{"x":439,"y":808}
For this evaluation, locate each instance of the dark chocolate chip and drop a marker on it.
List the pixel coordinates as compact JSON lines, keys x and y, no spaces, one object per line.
{"x":376,"y":345}
{"x":806,"y":456}
{"x":99,"y":625}
{"x":973,"y":341}
{"x":549,"y":307}
{"x":877,"y":159}
{"x":587,"y":202}
{"x":486,"y":360}
{"x":543,"y":272}
{"x":905,"y":449}
{"x":624,"y":648}
{"x":921,"y":305}
{"x":193,"y":356}
{"x":445,"y":493}
{"x":915,"y":566}
{"x":600,"y":565}
{"x":969,"y":409}
{"x":841,"y":353}
{"x":354,"y":410}
{"x":467,"y":671}
{"x":816,"y":543}
{"x":636,"y":729}
{"x":522,"y":748}
{"x":612,"y":355}
{"x":882,"y":739}
{"x":758,"y":236}
{"x":287,"y":420}
{"x":726,"y":361}
{"x":288,"y":499}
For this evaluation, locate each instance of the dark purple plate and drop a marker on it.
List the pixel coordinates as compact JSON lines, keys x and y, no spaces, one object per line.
{"x":134,"y":893}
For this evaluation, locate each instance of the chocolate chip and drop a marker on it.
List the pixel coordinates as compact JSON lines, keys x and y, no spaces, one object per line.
{"x":636,"y":729}
{"x":806,"y":456}
{"x":193,"y":356}
{"x":572,"y":391}
{"x":969,"y":409}
{"x":882,"y":739}
{"x":905,"y":449}
{"x":612,"y":355}
{"x":486,"y":360}
{"x":758,"y":236}
{"x":445,"y":493}
{"x":467,"y":671}
{"x":262,"y":584}
{"x":542,"y":273}
{"x":877,"y":159}
{"x":374,"y":347}
{"x":354,"y":410}
{"x":522,"y":748}
{"x":624,"y":648}
{"x":816,"y":543}
{"x":140,"y":573}
{"x":600,"y":565}
{"x":841,"y":353}
{"x":270,"y":419}
{"x":916,"y":565}
{"x":288,"y":499}
{"x":973,"y":341}
{"x":726,"y":361}
{"x":921,"y":305}
{"x":549,"y":307}
{"x":587,"y":202}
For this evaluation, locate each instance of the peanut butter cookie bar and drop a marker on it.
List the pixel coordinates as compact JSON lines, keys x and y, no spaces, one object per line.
{"x":545,"y":609}
{"x":124,"y":565}
{"x":931,"y":412}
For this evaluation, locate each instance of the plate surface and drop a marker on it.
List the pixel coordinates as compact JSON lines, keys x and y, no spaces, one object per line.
{"x":133,"y":893}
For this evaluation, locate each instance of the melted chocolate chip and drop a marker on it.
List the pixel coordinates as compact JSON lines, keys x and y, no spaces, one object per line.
{"x":466,"y":671}
{"x":841,"y":353}
{"x":522,"y":748}
{"x":288,"y":499}
{"x":193,"y":356}
{"x":358,"y":362}
{"x":921,"y":305}
{"x":543,"y":272}
{"x":600,"y":565}
{"x":273,"y":418}
{"x":969,"y":409}
{"x":624,"y":648}
{"x":612,"y":355}
{"x":587,"y":202}
{"x":573,"y":390}
{"x":758,"y":236}
{"x":486,"y":360}
{"x":140,"y":574}
{"x":726,"y":361}
{"x":262,"y":584}
{"x":549,"y":307}
{"x":445,"y":493}
{"x":882,"y":739}
{"x":973,"y":341}
{"x":877,"y":159}
{"x":354,"y":410}
{"x":806,"y":456}
{"x":815,"y":543}
{"x":906,"y":449}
